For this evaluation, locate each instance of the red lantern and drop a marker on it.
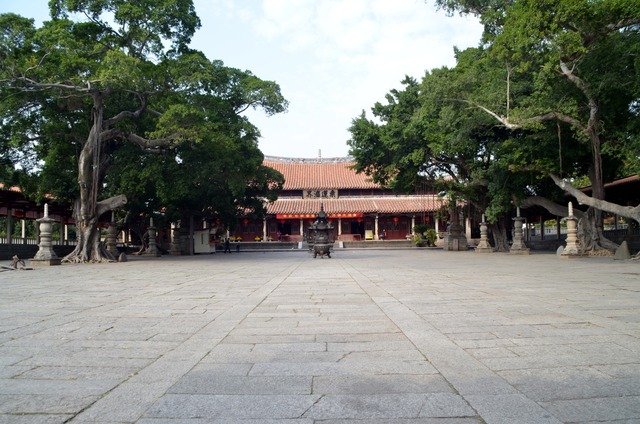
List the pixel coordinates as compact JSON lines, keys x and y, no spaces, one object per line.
{"x":396,"y":219}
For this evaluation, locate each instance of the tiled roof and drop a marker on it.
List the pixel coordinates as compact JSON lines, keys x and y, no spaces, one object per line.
{"x":303,"y":174}
{"x":387,"y":204}
{"x":8,"y":188}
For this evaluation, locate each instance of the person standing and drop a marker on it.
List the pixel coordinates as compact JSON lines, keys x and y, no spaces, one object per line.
{"x":227,"y":246}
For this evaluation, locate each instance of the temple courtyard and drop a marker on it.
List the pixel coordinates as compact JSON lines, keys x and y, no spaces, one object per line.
{"x":369,"y":336}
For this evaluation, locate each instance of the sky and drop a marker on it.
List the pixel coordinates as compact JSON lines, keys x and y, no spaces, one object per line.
{"x":332,"y":58}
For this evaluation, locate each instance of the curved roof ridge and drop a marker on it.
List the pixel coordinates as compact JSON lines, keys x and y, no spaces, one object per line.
{"x":339,"y":159}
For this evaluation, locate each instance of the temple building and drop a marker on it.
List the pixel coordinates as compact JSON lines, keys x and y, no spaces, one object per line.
{"x":358,"y":208}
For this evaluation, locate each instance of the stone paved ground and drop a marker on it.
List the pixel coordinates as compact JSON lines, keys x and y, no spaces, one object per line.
{"x":369,"y":336}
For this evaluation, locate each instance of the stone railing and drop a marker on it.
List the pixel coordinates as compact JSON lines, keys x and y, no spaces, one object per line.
{"x":33,"y":241}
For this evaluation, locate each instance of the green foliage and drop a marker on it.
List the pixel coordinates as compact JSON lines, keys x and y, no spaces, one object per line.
{"x":431,"y":236}
{"x":552,"y":82}
{"x":171,"y":134}
{"x":420,"y":228}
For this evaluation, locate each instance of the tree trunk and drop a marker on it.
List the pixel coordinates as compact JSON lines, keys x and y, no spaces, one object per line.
{"x":87,"y":210}
{"x":590,"y":235}
{"x":89,"y":247}
{"x":499,"y":230}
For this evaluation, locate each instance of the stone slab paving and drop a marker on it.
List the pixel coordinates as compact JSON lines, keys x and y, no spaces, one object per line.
{"x":369,"y":336}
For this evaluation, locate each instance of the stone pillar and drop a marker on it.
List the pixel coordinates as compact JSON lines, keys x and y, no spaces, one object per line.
{"x":45,"y":255}
{"x":339,"y":227}
{"x":413,"y":224}
{"x":518,"y":247}
{"x":483,"y":246}
{"x":302,"y":226}
{"x":153,"y":247}
{"x":572,"y":249}
{"x":112,"y":234}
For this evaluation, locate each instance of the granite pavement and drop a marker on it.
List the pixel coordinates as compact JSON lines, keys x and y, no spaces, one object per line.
{"x":410,"y":336}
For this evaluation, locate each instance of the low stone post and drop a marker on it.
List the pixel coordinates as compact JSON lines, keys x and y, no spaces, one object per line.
{"x":572,"y":248}
{"x":112,"y":234}
{"x":45,"y":255}
{"x":518,"y":247}
{"x":483,"y":245}
{"x":153,"y":247}
{"x":455,"y":240}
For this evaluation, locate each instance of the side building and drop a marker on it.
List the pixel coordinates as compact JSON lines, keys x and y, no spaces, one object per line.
{"x":358,"y":208}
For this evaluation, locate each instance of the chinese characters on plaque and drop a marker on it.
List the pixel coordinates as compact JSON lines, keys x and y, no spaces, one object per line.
{"x":320,"y":194}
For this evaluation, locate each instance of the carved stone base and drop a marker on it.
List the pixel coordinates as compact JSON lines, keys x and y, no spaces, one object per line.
{"x":455,"y":240}
{"x":44,"y":262}
{"x":522,"y":251}
{"x":483,"y":249}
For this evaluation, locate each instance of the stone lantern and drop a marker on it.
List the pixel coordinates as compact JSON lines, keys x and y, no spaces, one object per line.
{"x":45,"y":254}
{"x":319,"y":231}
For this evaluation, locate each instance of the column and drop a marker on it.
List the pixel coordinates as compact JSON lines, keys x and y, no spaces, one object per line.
{"x":301,"y":226}
{"x":375,"y":235}
{"x":467,"y":227}
{"x":174,"y":250}
{"x":339,"y":227}
{"x":23,"y":223}
{"x":264,"y":229}
{"x":413,"y":224}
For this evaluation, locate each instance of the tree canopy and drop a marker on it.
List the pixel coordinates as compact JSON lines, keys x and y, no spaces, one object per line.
{"x":106,"y":101}
{"x":551,"y":95}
